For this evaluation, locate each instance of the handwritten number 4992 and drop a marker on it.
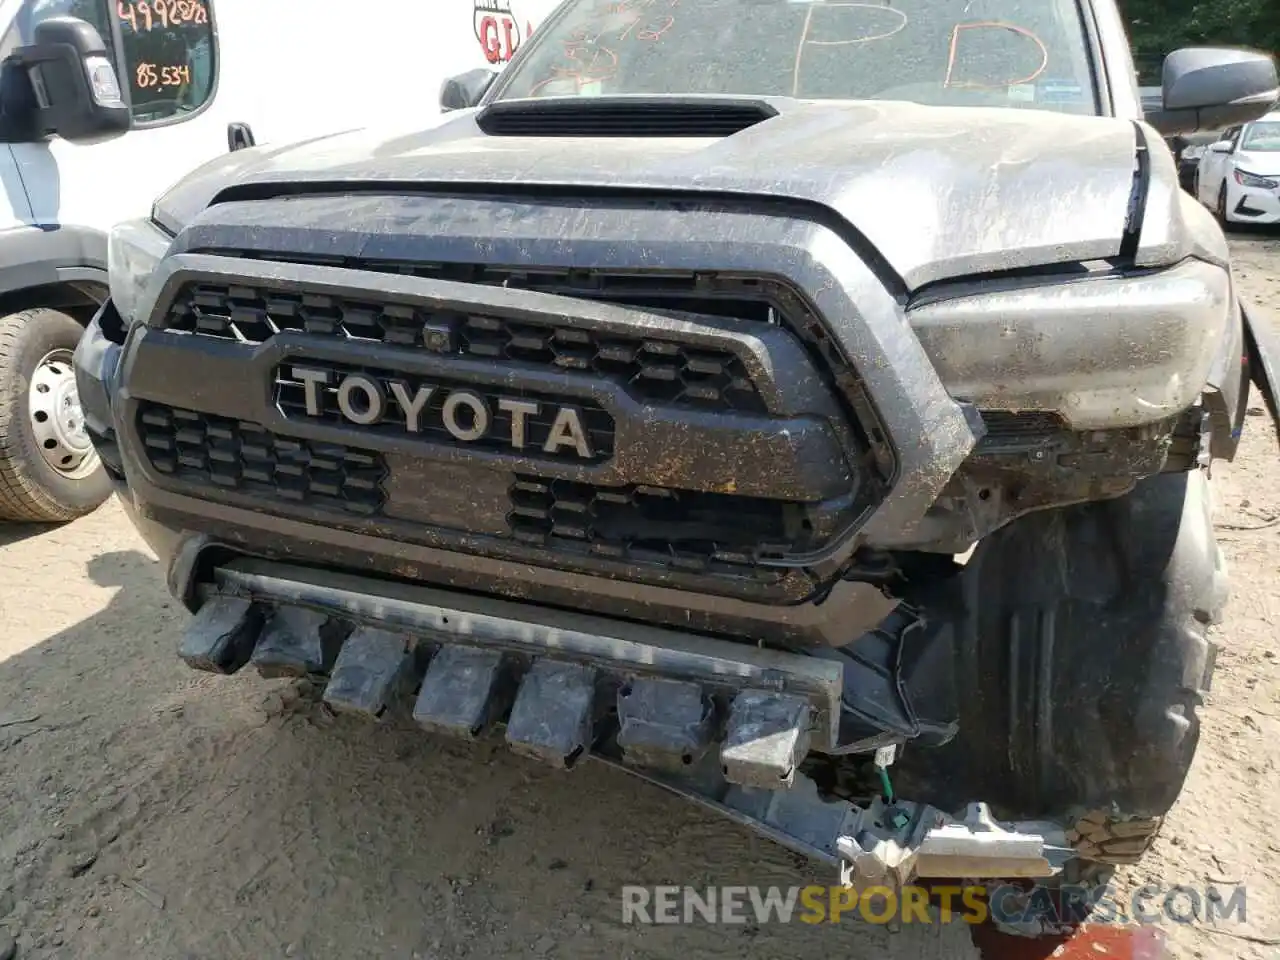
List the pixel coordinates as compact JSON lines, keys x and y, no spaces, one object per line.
{"x":147,"y":15}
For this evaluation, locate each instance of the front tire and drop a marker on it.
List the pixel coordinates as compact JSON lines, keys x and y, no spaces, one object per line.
{"x":1086,"y":655}
{"x":1220,"y":208}
{"x":49,"y":471}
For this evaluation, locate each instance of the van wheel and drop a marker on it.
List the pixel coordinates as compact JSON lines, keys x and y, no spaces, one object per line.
{"x":49,"y":470}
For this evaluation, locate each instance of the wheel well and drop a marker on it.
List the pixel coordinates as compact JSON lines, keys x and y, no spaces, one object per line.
{"x":80,"y":299}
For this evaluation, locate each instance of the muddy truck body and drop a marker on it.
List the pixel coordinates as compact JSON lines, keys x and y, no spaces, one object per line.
{"x":648,"y":415}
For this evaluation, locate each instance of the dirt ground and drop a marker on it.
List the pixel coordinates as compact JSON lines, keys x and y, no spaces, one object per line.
{"x":149,"y":811}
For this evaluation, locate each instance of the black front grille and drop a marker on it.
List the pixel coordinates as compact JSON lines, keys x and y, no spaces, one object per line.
{"x":698,"y":532}
{"x":652,"y":369}
{"x":500,"y":434}
{"x":748,"y":299}
{"x":233,"y":455}
{"x":693,"y":532}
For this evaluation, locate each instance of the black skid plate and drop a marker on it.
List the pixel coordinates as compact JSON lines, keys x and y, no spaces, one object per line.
{"x":723,"y":724}
{"x":561,"y":683}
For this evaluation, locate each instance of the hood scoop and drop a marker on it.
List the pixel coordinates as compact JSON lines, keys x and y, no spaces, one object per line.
{"x":630,"y":116}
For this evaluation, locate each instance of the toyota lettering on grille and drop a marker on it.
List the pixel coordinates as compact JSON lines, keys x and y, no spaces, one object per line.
{"x":467,"y":416}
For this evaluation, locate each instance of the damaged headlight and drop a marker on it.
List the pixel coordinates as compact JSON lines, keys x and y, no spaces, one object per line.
{"x":134,"y":250}
{"x":1107,"y":351}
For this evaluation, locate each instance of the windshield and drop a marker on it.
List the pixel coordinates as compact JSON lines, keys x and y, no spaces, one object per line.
{"x":1263,"y":137}
{"x":1007,"y":53}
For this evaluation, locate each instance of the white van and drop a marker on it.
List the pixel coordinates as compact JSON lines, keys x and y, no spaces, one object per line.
{"x":195,"y":78}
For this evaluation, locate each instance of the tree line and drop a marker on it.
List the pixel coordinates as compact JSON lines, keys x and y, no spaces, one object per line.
{"x":1158,"y":26}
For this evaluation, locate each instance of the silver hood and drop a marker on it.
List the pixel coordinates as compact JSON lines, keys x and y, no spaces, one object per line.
{"x":939,"y":192}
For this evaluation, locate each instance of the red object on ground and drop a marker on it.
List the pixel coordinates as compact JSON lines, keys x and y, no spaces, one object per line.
{"x":1089,"y":942}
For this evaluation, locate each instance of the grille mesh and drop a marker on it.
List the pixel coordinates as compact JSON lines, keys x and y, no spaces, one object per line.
{"x":682,"y":529}
{"x":654,"y":526}
{"x":233,"y":455}
{"x":652,"y":369}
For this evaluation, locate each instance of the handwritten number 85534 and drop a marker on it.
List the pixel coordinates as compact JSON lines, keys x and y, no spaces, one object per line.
{"x":149,"y":75}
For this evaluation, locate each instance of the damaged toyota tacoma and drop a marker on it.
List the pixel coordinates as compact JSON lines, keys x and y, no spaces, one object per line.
{"x":808,"y":407}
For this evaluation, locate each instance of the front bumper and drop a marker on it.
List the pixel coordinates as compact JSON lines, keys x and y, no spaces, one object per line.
{"x":210,"y":400}
{"x":725,"y":725}
{"x":191,"y":414}
{"x":1254,"y":204}
{"x":186,"y":529}
{"x":439,"y":514}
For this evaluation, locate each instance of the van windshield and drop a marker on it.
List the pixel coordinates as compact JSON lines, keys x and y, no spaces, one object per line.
{"x":1007,"y":53}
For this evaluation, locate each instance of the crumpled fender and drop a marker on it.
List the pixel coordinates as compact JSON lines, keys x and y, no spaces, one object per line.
{"x":1262,"y":352}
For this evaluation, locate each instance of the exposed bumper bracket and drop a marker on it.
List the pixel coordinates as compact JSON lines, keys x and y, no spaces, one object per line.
{"x":555,"y":678}
{"x":874,"y":845}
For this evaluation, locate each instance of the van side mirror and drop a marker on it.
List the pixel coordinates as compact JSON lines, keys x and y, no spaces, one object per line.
{"x":1221,"y":146}
{"x":466,"y":89}
{"x":1209,"y":88}
{"x":64,"y":84}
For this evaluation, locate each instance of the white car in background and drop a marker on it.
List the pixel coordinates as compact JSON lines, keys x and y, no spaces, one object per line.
{"x":1239,"y":175}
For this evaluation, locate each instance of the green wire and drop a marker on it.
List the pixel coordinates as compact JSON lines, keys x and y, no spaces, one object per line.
{"x":884,"y":782}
